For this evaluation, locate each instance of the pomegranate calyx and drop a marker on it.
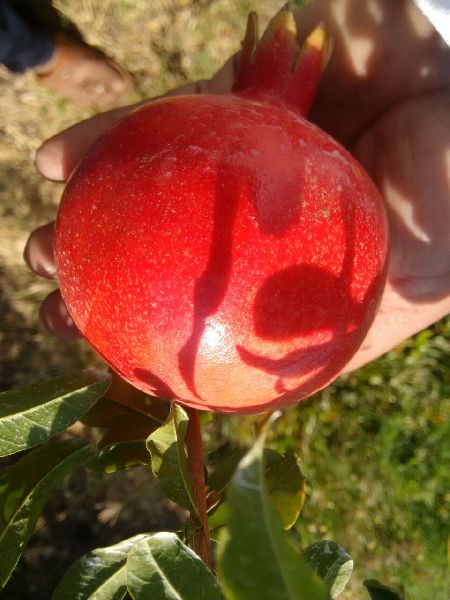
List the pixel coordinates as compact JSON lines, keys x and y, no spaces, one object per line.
{"x":276,"y":69}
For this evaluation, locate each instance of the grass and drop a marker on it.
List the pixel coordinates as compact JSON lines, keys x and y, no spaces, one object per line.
{"x":374,"y":446}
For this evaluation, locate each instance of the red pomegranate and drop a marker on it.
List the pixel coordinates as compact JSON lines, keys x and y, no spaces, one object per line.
{"x":222,"y":250}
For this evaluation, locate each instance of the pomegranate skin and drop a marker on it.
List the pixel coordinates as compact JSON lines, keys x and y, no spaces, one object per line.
{"x":222,"y":251}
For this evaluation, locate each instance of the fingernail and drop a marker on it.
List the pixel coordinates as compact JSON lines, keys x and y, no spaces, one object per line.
{"x":56,"y":319}
{"x":39,"y":255}
{"x":42,"y":266}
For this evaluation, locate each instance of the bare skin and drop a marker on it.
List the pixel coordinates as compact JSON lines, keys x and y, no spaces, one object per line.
{"x":84,"y":75}
{"x":385,"y":95}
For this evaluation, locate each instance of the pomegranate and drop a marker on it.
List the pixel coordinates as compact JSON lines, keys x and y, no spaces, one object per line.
{"x":222,"y":250}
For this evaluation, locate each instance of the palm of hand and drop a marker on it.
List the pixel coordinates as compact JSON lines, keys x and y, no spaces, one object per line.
{"x":386,"y":97}
{"x":405,"y":155}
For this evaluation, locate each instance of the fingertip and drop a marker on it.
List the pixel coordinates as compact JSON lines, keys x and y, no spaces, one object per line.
{"x":38,"y":252}
{"x":49,"y":160}
{"x":56,"y":319}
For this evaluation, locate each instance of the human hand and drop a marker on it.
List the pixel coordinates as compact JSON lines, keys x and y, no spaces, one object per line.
{"x":385,"y":95}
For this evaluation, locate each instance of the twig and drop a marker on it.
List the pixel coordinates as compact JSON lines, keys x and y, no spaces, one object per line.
{"x":194,"y":445}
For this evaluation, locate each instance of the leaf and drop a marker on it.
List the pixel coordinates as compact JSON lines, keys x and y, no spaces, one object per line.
{"x":121,"y":396}
{"x":123,"y":445}
{"x":222,"y":475}
{"x":285,"y":485}
{"x":284,"y":482}
{"x":378,"y":591}
{"x":127,"y":427}
{"x":161,"y":567}
{"x":103,"y":411}
{"x":219,"y":516}
{"x":256,"y":561}
{"x":217,"y":483}
{"x":24,"y":490}
{"x":169,"y":459}
{"x":213,"y":500}
{"x":31,"y":416}
{"x":126,"y":394}
{"x":98,"y":575}
{"x":332,"y":563}
{"x":120,"y":456}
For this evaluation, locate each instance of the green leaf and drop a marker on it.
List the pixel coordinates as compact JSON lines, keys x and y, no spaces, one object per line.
{"x":378,"y":591}
{"x":33,"y":415}
{"x":221,"y":476}
{"x":169,"y":459}
{"x":219,"y":480}
{"x":161,"y":567}
{"x":285,"y":485}
{"x":24,"y":490}
{"x":256,"y":559}
{"x":219,"y":516}
{"x":124,"y":443}
{"x":98,"y":575}
{"x":284,"y":481}
{"x":126,"y":394}
{"x":103,"y":411}
{"x":332,"y":563}
{"x":120,"y":456}
{"x":127,"y":427}
{"x":106,"y":408}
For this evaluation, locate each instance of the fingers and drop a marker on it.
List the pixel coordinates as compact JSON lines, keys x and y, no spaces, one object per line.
{"x":58,"y":156}
{"x":39,"y":256}
{"x":53,"y":314}
{"x":38,"y":253}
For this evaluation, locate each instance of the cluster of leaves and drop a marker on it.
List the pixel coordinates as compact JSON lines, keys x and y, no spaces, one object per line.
{"x":254,"y":498}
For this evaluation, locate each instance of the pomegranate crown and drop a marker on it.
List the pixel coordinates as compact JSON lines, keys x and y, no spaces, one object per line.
{"x":276,"y":68}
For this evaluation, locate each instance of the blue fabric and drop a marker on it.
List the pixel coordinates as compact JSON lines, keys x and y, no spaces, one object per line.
{"x":21,"y":46}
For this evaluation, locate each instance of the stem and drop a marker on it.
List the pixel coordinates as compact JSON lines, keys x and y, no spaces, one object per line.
{"x":194,"y":445}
